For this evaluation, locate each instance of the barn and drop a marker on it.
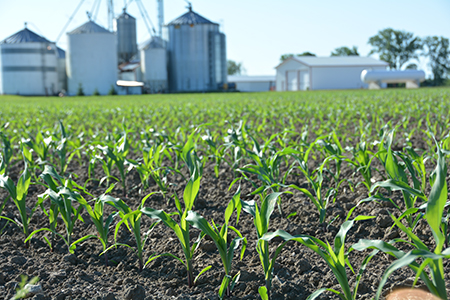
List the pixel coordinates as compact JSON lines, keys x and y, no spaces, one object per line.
{"x":324,"y":73}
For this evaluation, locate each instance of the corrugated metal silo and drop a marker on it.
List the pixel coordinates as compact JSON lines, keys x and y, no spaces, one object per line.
{"x":62,"y":75}
{"x":91,"y":59}
{"x":125,"y":26}
{"x":28,"y":65}
{"x":197,"y":56}
{"x":154,"y":65}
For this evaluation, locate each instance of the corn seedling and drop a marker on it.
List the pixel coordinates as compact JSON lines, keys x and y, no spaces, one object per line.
{"x":362,"y":160}
{"x":335,"y":257}
{"x":261,"y":219}
{"x":116,"y":154}
{"x":60,"y":193}
{"x":268,"y":170}
{"x":41,"y":146}
{"x":319,"y":198}
{"x":182,"y":229}
{"x":219,"y":236}
{"x":18,"y":194}
{"x":151,"y":167}
{"x":23,"y":290}
{"x":436,"y":202}
{"x":132,"y":220}
{"x":7,"y":152}
{"x":97,"y":213}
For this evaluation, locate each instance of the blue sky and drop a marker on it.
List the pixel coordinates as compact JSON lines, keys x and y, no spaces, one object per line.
{"x":258,"y":31}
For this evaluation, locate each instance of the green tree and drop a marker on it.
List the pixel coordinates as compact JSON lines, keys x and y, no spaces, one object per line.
{"x":286,"y":56}
{"x":345,"y":51}
{"x":234,"y":68}
{"x":436,"y":49}
{"x":395,"y":47}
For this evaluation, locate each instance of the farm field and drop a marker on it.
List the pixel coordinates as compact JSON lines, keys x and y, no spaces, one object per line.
{"x":234,"y":196}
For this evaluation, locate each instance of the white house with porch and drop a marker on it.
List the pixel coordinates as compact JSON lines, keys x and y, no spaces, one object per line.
{"x":324,"y":73}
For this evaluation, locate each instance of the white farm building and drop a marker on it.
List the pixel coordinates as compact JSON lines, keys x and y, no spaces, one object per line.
{"x":252,"y":83}
{"x":324,"y":73}
{"x":28,"y":65}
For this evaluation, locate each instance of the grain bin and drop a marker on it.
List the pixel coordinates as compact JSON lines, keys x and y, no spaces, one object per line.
{"x":125,"y":26}
{"x":197,"y":54}
{"x":91,"y":59}
{"x":154,"y":65}
{"x":28,"y":65}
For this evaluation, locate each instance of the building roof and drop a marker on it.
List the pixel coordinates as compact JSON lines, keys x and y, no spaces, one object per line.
{"x":244,"y":78}
{"x":89,"y":27}
{"x":25,"y":36}
{"x":190,"y":18}
{"x":125,"y":15}
{"x":336,"y":61}
{"x":154,"y":42}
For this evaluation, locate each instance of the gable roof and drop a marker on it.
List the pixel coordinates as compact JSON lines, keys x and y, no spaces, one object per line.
{"x":190,"y":18}
{"x":25,"y":36}
{"x":336,"y":61}
{"x":89,"y":27}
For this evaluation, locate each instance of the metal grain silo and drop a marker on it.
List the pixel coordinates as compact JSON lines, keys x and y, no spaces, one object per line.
{"x":28,"y":65}
{"x":126,"y":37}
{"x":62,"y":74}
{"x":197,"y":55}
{"x":91,"y":59}
{"x":154,"y":65}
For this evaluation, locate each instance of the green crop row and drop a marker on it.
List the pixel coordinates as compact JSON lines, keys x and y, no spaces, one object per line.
{"x":394,"y":142}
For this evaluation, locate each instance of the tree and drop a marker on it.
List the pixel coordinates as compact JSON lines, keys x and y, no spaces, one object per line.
{"x":345,"y":51}
{"x":395,"y":47}
{"x":286,"y":56}
{"x":234,"y":68}
{"x":436,"y":49}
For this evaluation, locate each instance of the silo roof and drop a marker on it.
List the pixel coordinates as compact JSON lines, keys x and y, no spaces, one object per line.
{"x":25,"y":36}
{"x":190,"y":18}
{"x":154,"y":42}
{"x":89,"y":27}
{"x":125,"y":15}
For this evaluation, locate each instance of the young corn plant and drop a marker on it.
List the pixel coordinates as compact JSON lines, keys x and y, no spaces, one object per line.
{"x":217,"y":151}
{"x":60,"y":193}
{"x":398,"y":179}
{"x":261,"y":219}
{"x":362,"y":160}
{"x":181,"y":229}
{"x":116,"y":154}
{"x":219,"y":236}
{"x":97,"y":216}
{"x":268,"y":170}
{"x":61,"y":148}
{"x":333,"y":151}
{"x":6,"y":152}
{"x":152,"y":167}
{"x":322,"y":194}
{"x":41,"y":146}
{"x":18,"y":194}
{"x":433,"y":259}
{"x":335,"y":257}
{"x":132,"y":220}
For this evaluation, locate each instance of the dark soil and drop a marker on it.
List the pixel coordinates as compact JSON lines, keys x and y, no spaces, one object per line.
{"x":298,"y":272}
